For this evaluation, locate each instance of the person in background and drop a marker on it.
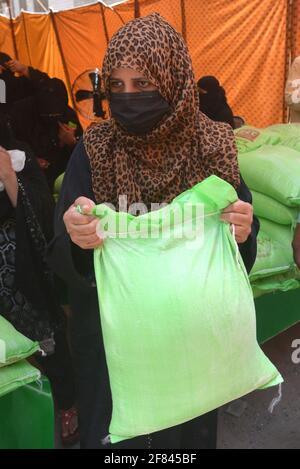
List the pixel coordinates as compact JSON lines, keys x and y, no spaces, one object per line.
{"x":20,"y":81}
{"x":213,"y":102}
{"x":296,"y":243}
{"x":49,"y":126}
{"x":27,"y":293}
{"x":292,"y":91}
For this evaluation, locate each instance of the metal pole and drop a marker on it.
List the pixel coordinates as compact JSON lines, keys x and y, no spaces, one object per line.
{"x":183,"y":19}
{"x":102,"y":12}
{"x":137,"y":11}
{"x":288,"y":53}
{"x":26,"y":37}
{"x":12,"y":29}
{"x":69,"y":86}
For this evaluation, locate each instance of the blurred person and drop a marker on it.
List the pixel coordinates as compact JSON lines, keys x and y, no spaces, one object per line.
{"x":213,"y":101}
{"x":27,"y":293}
{"x":292,"y":91}
{"x":296,"y":243}
{"x":20,"y":81}
{"x":49,"y":126}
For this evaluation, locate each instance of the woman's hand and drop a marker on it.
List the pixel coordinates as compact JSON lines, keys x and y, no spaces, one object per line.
{"x":239,"y":214}
{"x":8,"y":177}
{"x":82,"y":228}
{"x":17,"y":67}
{"x":6,"y":169}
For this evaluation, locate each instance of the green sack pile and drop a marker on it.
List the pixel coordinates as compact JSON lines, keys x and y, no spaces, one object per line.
{"x":274,"y":253}
{"x":14,"y":348}
{"x":273,"y":171}
{"x":16,"y":375}
{"x":251,"y":138}
{"x":289,"y":134}
{"x":270,"y":165}
{"x":177,"y":313}
{"x":57,"y":186}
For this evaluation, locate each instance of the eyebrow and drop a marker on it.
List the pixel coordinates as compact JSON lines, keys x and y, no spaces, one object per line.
{"x":133,"y":78}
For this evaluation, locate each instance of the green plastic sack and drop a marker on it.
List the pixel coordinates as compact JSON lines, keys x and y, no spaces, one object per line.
{"x":177,"y":313}
{"x":13,"y":345}
{"x":274,"y":250}
{"x":250,"y":138}
{"x":16,"y":375}
{"x":285,"y":131}
{"x":270,"y":209}
{"x":57,"y":186}
{"x":278,"y":282}
{"x":27,"y":417}
{"x":289,"y":134}
{"x":273,"y":171}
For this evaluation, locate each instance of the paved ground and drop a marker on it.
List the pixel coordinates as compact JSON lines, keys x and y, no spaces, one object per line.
{"x":256,"y":428}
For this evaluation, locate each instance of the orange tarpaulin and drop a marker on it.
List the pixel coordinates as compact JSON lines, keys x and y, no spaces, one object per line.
{"x":243,"y":43}
{"x":6,"y":43}
{"x":296,"y":29}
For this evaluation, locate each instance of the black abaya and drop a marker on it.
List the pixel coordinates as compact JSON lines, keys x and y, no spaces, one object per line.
{"x":75,"y":267}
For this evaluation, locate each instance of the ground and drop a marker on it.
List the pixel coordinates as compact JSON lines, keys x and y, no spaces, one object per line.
{"x":257,"y":428}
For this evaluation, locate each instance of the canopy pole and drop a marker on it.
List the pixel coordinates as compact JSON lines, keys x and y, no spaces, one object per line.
{"x":67,"y":75}
{"x":26,"y":37}
{"x":288,"y":53}
{"x":102,"y":11}
{"x":12,"y":29}
{"x":183,"y":19}
{"x":137,"y":10}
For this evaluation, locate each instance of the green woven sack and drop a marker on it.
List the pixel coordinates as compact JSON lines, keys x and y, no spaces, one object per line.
{"x":270,"y":209}
{"x":57,"y":186}
{"x":285,"y":131}
{"x":278,"y":282}
{"x":273,"y":171}
{"x":13,"y":345}
{"x":177,"y":313}
{"x":250,"y":138}
{"x":16,"y":375}
{"x":274,"y":250}
{"x":289,"y":134}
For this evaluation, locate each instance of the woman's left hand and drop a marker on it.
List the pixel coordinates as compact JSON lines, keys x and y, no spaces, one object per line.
{"x":6,"y":169}
{"x":239,"y":214}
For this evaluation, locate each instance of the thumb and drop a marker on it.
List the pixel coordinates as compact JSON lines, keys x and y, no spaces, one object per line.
{"x":85,"y":204}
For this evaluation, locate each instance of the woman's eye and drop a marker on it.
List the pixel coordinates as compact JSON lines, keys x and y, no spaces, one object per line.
{"x":143,"y":83}
{"x":115,"y":84}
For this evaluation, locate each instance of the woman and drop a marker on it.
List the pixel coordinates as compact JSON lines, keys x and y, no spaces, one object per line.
{"x":27,"y":296}
{"x":43,"y":121}
{"x":156,"y":145}
{"x":213,"y":102}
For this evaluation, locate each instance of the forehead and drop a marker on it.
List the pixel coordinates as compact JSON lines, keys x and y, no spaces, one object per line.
{"x":126,"y":73}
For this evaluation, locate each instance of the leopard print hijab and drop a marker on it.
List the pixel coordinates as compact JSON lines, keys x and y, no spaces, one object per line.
{"x":185,"y":148}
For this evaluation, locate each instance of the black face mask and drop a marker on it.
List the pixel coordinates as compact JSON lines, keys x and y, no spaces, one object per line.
{"x":140,"y":112}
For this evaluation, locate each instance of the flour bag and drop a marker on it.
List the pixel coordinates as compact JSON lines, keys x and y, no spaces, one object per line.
{"x":177,"y":312}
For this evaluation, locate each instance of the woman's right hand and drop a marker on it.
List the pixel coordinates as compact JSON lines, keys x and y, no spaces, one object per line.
{"x":82,"y":228}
